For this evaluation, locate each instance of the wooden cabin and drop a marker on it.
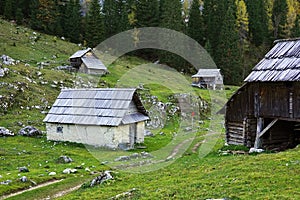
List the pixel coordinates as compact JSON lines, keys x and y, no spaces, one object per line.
{"x":85,"y":61}
{"x":110,"y":117}
{"x":208,"y":78}
{"x":265,"y":111}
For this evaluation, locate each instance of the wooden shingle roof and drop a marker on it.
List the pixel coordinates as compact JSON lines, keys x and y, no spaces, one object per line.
{"x":80,"y":53}
{"x":98,"y":106}
{"x":281,"y":63}
{"x":207,"y":73}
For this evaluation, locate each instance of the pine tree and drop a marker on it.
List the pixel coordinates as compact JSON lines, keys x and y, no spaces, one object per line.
{"x":147,"y":13}
{"x":171,"y":18}
{"x":19,"y":16}
{"x":258,"y":21}
{"x":228,"y":55}
{"x":213,"y":21}
{"x":279,"y":18}
{"x":9,"y":9}
{"x":295,"y":32}
{"x":72,"y":21}
{"x":34,"y":21}
{"x":195,"y":27}
{"x":115,"y":16}
{"x":2,"y":5}
{"x":94,"y":24}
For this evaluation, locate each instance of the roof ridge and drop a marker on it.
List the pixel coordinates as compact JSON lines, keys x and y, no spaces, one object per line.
{"x":286,"y":40}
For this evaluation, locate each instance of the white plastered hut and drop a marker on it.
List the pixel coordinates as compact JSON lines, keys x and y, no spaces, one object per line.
{"x":110,"y":117}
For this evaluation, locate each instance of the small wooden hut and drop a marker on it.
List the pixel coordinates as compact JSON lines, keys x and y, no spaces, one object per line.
{"x":265,"y":111}
{"x":110,"y":117}
{"x":208,"y":78}
{"x":86,"y":61}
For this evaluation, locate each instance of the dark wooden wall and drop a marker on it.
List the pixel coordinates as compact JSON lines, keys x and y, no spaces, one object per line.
{"x":268,"y":100}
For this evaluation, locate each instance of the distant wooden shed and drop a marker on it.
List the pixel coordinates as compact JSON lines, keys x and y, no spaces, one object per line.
{"x":208,"y":78}
{"x":111,"y":117}
{"x":86,"y":61}
{"x":265,"y":111}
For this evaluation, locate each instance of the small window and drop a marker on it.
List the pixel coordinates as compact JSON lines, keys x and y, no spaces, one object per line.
{"x":59,"y":129}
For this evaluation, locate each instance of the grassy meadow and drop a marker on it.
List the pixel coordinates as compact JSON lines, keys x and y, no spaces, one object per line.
{"x":198,"y":167}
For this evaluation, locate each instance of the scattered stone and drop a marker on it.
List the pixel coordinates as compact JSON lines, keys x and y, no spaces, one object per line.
{"x":7,"y":60}
{"x":69,"y":171}
{"x":101,"y":178}
{"x":87,"y":169}
{"x":1,"y":176}
{"x":5,"y":132}
{"x":148,"y":133}
{"x":5,"y":182}
{"x":146,"y":155}
{"x":64,"y":159}
{"x":39,"y":73}
{"x":23,"y":179}
{"x":52,"y":174}
{"x":104,"y":162}
{"x":79,"y":167}
{"x":188,"y":129}
{"x":30,"y":131}
{"x":124,"y":195}
{"x":134,"y":155}
{"x":23,"y":169}
{"x":122,"y":158}
{"x":254,"y":150}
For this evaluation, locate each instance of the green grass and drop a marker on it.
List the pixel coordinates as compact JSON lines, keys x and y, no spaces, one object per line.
{"x":191,"y":176}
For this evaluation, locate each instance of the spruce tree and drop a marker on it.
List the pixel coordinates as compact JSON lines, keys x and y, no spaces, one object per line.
{"x":195,"y":27}
{"x":279,"y":18}
{"x":2,"y":5}
{"x":228,"y":55}
{"x":72,"y":21}
{"x":94,"y":34}
{"x":9,"y":9}
{"x":295,"y":32}
{"x":115,"y":14}
{"x":258,"y":21}
{"x":147,"y":13}
{"x":19,"y":16}
{"x":34,"y":21}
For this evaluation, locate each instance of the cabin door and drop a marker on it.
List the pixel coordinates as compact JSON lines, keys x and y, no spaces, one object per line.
{"x":132,"y":134}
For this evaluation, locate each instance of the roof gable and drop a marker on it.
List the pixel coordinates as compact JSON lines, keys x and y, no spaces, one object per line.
{"x":281,"y":63}
{"x":80,"y":53}
{"x":207,"y":73}
{"x":97,"y":106}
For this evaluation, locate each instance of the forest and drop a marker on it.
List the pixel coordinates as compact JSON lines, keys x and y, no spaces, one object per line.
{"x":236,"y":33}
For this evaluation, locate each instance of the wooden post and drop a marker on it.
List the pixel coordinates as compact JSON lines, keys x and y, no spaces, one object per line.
{"x":259,"y":127}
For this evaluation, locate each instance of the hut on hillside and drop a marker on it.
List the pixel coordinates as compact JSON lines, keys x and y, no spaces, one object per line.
{"x":208,"y":78}
{"x":86,"y":61}
{"x":111,"y":117}
{"x":265,"y":111}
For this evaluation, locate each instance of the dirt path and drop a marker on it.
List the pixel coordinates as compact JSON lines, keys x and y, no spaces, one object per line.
{"x":176,"y":149}
{"x":33,"y":188}
{"x":64,"y":192}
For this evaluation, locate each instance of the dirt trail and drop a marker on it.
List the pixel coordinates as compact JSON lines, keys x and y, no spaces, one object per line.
{"x":32,"y":188}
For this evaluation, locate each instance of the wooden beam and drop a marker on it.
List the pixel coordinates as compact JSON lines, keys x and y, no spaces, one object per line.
{"x":260,"y":132}
{"x":267,"y":128}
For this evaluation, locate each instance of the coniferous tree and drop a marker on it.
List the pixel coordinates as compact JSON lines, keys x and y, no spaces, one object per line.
{"x":228,"y":55}
{"x":34,"y":21}
{"x":94,"y":34}
{"x":72,"y":21}
{"x":279,"y":18}
{"x":147,"y":13}
{"x":171,"y":18}
{"x":195,"y":27}
{"x":2,"y":5}
{"x":258,"y":21}
{"x":19,"y":16}
{"x":115,"y":16}
{"x":295,"y":32}
{"x":9,"y":9}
